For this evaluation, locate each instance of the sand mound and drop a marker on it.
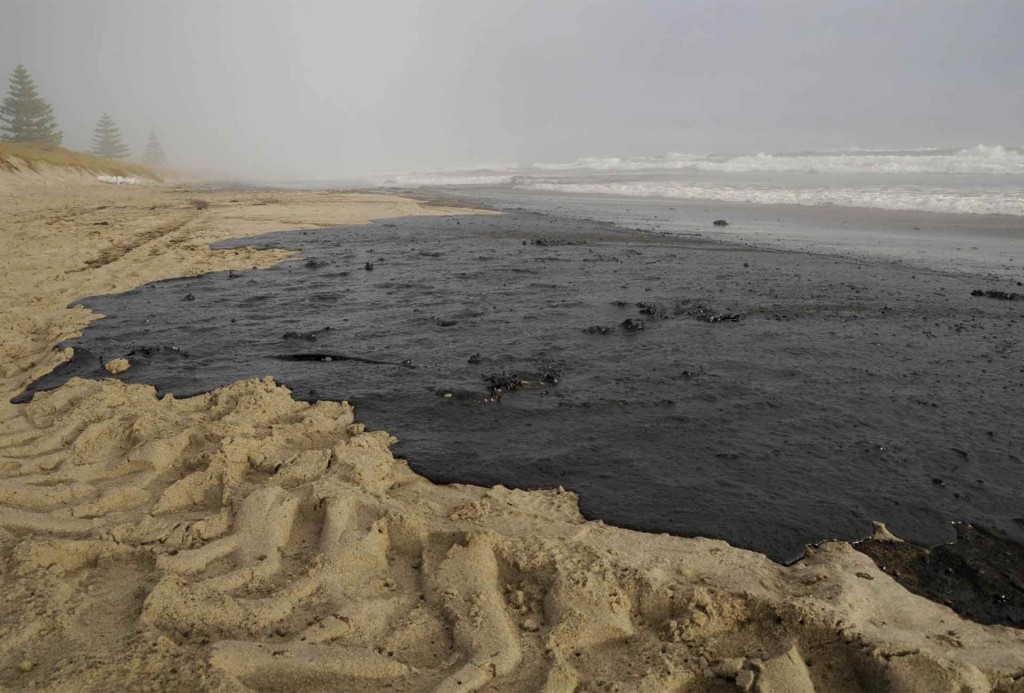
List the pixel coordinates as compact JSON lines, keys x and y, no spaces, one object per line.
{"x":244,"y":538}
{"x":20,"y":176}
{"x":243,"y":541}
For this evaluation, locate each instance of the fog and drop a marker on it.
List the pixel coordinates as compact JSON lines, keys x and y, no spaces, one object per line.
{"x":320,"y":89}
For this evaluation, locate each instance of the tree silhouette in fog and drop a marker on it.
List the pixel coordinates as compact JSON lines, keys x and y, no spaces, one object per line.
{"x":154,"y":154}
{"x":25,"y":116}
{"x":106,"y":140}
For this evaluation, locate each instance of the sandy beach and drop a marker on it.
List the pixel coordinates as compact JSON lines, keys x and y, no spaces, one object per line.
{"x":245,"y":541}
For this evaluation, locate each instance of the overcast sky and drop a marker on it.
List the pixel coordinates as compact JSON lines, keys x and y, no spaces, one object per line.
{"x":324,"y":88}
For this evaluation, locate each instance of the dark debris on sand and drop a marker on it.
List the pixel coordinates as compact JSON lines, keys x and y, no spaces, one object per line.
{"x":549,"y":242}
{"x":1001,"y":295}
{"x":980,"y":575}
{"x":651,"y":310}
{"x":705,"y":314}
{"x":536,"y":381}
{"x":503,"y":382}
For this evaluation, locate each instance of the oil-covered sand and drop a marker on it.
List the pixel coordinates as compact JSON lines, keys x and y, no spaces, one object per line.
{"x":770,"y":398}
{"x":242,"y":540}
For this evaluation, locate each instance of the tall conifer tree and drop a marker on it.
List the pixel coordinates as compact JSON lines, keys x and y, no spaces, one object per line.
{"x":106,"y":140}
{"x":24,"y":115}
{"x":154,"y":154}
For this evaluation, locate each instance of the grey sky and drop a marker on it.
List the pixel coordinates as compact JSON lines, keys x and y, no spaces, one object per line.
{"x":319,"y":88}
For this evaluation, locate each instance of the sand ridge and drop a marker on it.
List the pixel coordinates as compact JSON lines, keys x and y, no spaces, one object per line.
{"x":241,"y":540}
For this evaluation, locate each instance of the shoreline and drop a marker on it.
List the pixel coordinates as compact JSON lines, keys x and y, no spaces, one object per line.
{"x":851,"y":232}
{"x":107,"y":487}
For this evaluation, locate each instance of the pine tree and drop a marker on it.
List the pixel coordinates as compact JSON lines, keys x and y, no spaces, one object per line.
{"x":106,"y":140}
{"x":154,"y":154}
{"x":24,"y":115}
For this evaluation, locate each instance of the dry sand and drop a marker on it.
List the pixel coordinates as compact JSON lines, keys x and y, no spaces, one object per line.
{"x":241,"y":540}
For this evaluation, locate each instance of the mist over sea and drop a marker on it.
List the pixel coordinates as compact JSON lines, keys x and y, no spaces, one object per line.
{"x":977,"y":180}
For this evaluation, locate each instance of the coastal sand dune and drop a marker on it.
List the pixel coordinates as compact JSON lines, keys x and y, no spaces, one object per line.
{"x":244,"y":541}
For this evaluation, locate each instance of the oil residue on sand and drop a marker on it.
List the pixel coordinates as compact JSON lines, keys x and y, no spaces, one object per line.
{"x":772,"y":399}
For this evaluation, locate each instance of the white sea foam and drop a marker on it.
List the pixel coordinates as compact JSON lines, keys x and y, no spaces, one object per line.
{"x":977,"y":180}
{"x":976,"y":160}
{"x":948,"y":201}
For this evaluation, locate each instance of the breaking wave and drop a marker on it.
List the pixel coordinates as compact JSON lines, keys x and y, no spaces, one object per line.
{"x":976,"y":180}
{"x":982,"y":159}
{"x":948,"y":201}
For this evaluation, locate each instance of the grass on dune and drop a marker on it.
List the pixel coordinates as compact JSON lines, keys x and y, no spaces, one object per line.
{"x":32,"y":154}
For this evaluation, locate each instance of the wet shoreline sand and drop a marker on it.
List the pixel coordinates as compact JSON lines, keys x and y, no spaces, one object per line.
{"x":134,"y":553}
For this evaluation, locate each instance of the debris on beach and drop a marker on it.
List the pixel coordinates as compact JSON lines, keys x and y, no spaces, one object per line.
{"x":502,"y":382}
{"x":308,"y":336}
{"x":548,"y":242}
{"x":498,"y":383}
{"x":651,"y":309}
{"x":597,"y":329}
{"x":633,"y":325}
{"x":704,"y":313}
{"x":720,"y":222}
{"x":1001,"y":295}
{"x":551,"y":372}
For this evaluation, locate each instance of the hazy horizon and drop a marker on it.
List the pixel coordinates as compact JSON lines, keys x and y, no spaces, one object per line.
{"x":278,"y":90}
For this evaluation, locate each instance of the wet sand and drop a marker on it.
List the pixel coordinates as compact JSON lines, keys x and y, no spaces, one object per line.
{"x":243,"y":540}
